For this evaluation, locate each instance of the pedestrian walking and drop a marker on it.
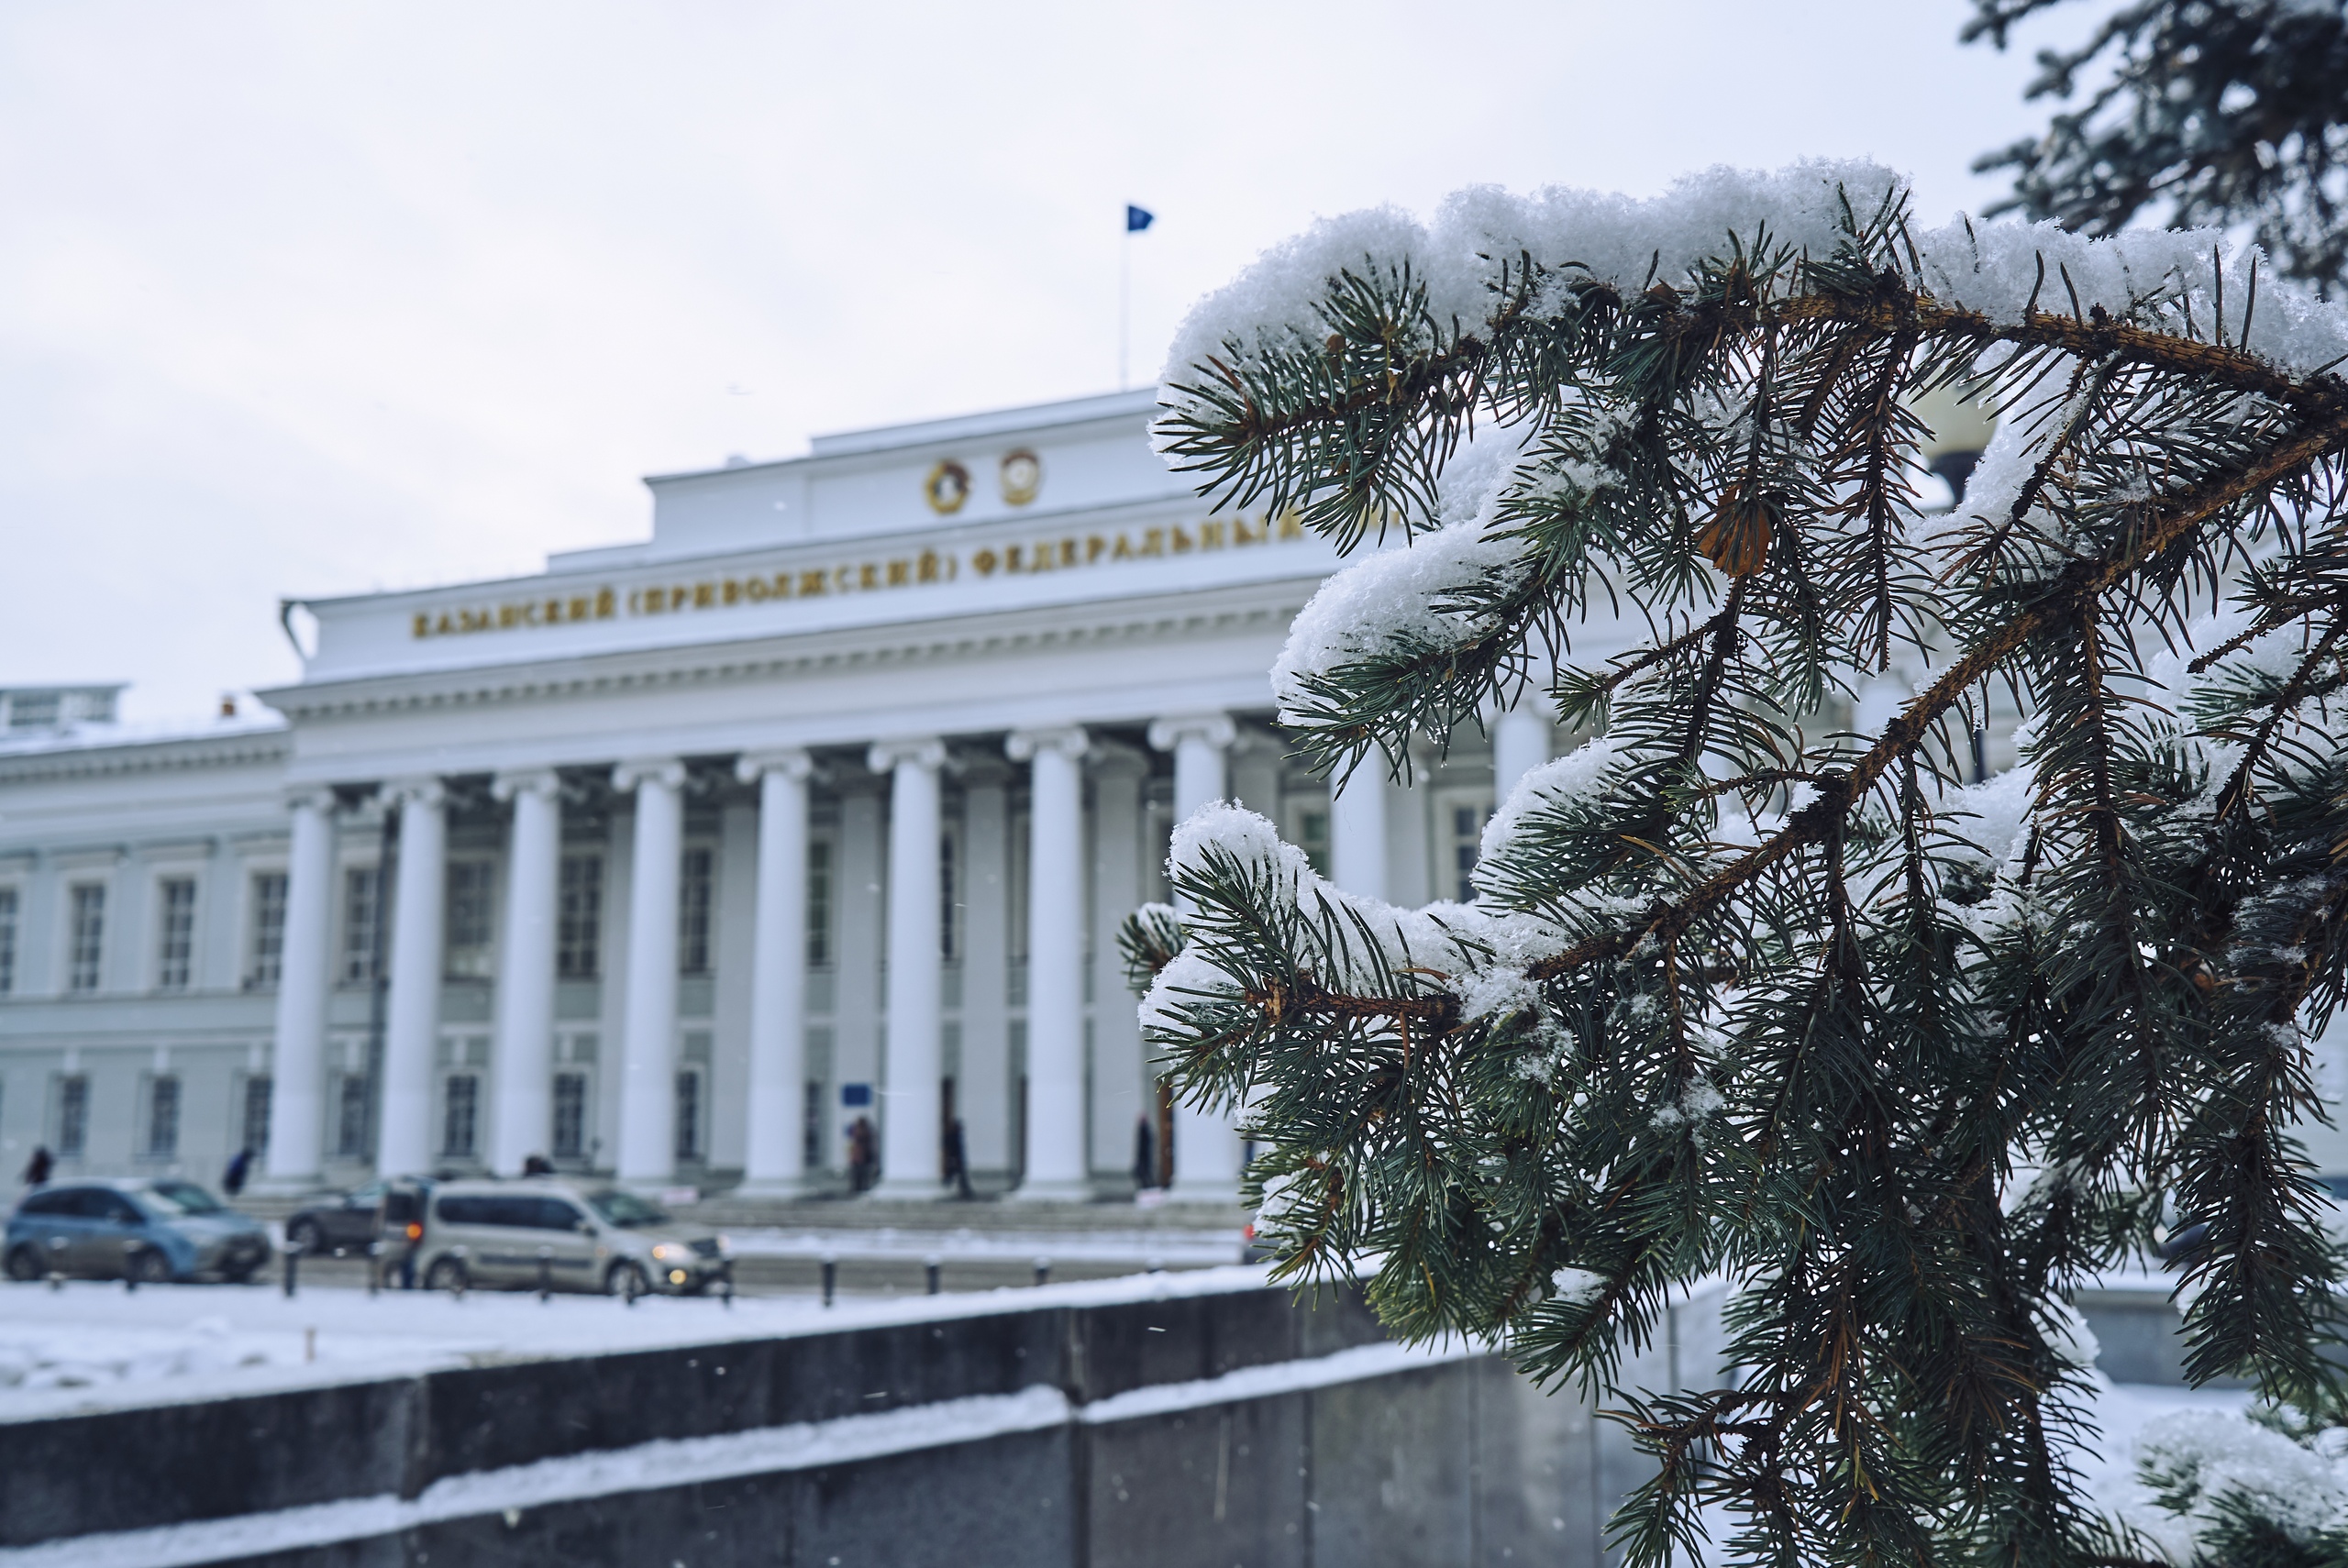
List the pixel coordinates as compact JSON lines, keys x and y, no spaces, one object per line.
{"x":863,"y":1155}
{"x":36,"y":1169}
{"x":1145,"y":1154}
{"x":957,"y":1161}
{"x":232,"y":1180}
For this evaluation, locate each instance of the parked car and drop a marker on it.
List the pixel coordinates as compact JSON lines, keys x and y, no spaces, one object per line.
{"x":154,"y":1230}
{"x":338,"y":1222}
{"x":494,"y":1233}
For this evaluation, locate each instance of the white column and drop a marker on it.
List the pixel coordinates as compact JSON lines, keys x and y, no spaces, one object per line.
{"x":772,"y":1163}
{"x":412,"y":1021}
{"x":1197,"y":741}
{"x":522,"y":1096}
{"x":648,"y":1153}
{"x":910,"y":1130}
{"x":298,"y":1071}
{"x":1206,"y":1144}
{"x":982,"y":1089}
{"x":1056,"y":1158}
{"x":1124,"y":1091}
{"x":1357,"y":830}
{"x":1520,"y":745}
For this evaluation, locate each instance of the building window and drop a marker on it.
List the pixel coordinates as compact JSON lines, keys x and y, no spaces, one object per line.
{"x":72,"y":1116}
{"x":819,"y":904}
{"x":1467,"y":843}
{"x":269,"y":931}
{"x":350,"y":1118}
{"x":570,"y":1116}
{"x":948,"y":926}
{"x":362,"y":925}
{"x":162,"y":1116}
{"x":8,"y":940}
{"x":34,"y":711}
{"x":1314,"y":839}
{"x":579,"y":941}
{"x":176,"y":934}
{"x":692,"y":911}
{"x":88,"y":937}
{"x":689,"y":1116}
{"x":470,"y":915}
{"x":811,"y":1126}
{"x":460,"y":1117}
{"x":254,"y":1134}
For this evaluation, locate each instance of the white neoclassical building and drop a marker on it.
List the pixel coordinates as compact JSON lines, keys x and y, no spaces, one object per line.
{"x":675,"y":861}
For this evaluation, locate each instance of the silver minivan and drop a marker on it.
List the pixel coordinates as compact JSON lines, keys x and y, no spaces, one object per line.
{"x":574,"y":1237}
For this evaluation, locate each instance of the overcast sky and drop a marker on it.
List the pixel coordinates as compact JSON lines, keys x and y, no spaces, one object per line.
{"x":315,"y":298}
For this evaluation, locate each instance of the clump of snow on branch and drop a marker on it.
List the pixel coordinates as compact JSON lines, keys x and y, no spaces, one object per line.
{"x":1577,"y":1285}
{"x":1482,"y":952}
{"x":1396,"y":598}
{"x":1550,"y":790}
{"x":2189,"y":1462}
{"x":1993,"y":269}
{"x":1458,"y":256}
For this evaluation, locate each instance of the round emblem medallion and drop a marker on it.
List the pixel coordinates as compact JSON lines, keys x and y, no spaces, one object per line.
{"x":1023,"y":476}
{"x":947,"y":487}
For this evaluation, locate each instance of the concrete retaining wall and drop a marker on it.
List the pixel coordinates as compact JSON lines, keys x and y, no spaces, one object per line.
{"x":1191,"y":1423}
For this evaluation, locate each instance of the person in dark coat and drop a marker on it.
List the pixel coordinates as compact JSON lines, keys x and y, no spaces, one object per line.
{"x":1144,"y":1154}
{"x":36,"y":1169}
{"x":862,"y":1154}
{"x":538,"y":1165}
{"x":957,"y":1160}
{"x":232,"y":1180}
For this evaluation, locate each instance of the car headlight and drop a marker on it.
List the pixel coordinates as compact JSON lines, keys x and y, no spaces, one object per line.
{"x":664,"y":1252}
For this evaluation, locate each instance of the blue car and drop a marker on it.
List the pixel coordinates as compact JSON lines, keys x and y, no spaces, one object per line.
{"x":153,"y":1231}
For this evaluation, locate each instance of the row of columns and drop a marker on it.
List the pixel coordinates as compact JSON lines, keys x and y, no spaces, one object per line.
{"x":1056,"y":1159}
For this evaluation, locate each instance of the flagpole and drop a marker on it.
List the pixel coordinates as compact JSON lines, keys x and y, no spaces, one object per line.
{"x":1125,"y":305}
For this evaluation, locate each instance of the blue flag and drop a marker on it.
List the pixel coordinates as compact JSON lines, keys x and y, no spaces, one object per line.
{"x":1138,"y":219}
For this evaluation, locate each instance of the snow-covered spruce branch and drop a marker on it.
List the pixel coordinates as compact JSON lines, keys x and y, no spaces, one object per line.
{"x":1908,"y":1054}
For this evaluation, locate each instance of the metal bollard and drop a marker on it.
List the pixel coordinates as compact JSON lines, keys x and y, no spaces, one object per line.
{"x":631,"y":1286}
{"x":1043,"y":1271}
{"x":293,"y":1268}
{"x":375,"y":1267}
{"x":546,"y":1274}
{"x":726,"y":1285}
{"x":130,"y":1268}
{"x":931,"y":1265}
{"x":831,"y":1276}
{"x":57,"y":1263}
{"x":462,"y":1277}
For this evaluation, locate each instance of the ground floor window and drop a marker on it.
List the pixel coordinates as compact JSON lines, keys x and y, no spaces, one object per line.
{"x":570,"y":1116}
{"x":72,"y":1115}
{"x":460,"y":1114}
{"x":254,"y":1135}
{"x":350,"y":1118}
{"x":689,"y":1116}
{"x":811,"y":1126}
{"x":163,"y":1116}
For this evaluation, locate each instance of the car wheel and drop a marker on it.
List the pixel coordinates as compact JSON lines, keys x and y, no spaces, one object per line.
{"x":445,"y":1273}
{"x":305,"y":1234}
{"x":151,"y":1267}
{"x":24,"y":1265}
{"x":626,"y":1279}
